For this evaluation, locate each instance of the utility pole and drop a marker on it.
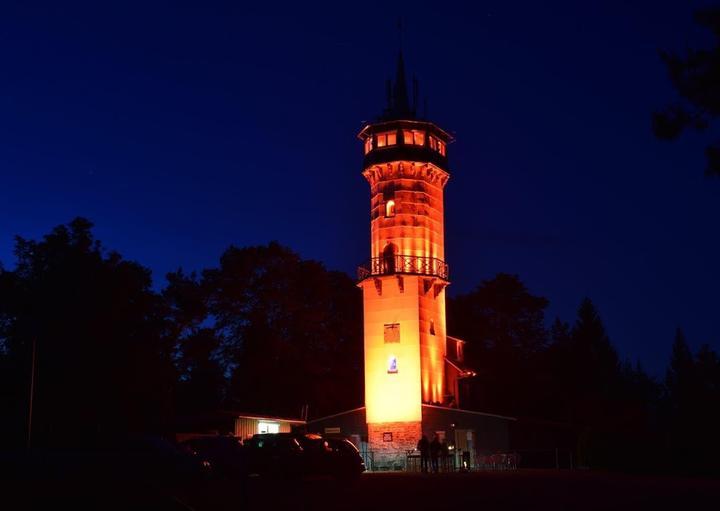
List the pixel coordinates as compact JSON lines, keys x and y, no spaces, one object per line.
{"x":32,"y":393}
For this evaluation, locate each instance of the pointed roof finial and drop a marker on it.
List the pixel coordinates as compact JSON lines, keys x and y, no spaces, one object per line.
{"x":398,"y":100}
{"x":401,"y":105}
{"x":400,"y":33}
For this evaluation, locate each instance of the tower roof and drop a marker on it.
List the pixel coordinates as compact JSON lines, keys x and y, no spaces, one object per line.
{"x":398,"y":104}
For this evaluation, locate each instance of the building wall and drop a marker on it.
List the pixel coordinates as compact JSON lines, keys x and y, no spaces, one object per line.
{"x":491,"y":432}
{"x":391,"y":441}
{"x":392,"y":397}
{"x":351,"y":424}
{"x":431,"y":307}
{"x":417,"y":228}
{"x":247,"y":427}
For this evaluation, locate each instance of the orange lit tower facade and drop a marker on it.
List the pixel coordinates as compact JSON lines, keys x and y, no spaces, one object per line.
{"x":403,"y":284}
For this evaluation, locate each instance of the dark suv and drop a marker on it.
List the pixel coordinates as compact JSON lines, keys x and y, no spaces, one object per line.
{"x":302,"y":454}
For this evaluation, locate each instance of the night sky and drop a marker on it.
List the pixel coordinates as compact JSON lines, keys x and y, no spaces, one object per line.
{"x":180,"y":129}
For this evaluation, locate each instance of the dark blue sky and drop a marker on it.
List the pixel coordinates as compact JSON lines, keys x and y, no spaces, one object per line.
{"x":181,"y":130}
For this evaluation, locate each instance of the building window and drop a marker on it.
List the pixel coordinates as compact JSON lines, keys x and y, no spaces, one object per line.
{"x":268,"y":427}
{"x":414,"y":137}
{"x":436,"y":144}
{"x":432,"y":327}
{"x":368,"y":145}
{"x":387,"y":138}
{"x":392,"y":364}
{"x":392,"y":333}
{"x":390,"y":208}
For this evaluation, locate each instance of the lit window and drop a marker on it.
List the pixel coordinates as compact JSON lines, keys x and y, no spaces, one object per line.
{"x":268,"y":427}
{"x":390,"y":208}
{"x":392,"y":364}
{"x":432,"y":141}
{"x":412,"y":137}
{"x":387,"y":138}
{"x":392,"y":333}
{"x":441,"y":147}
{"x":368,"y":145}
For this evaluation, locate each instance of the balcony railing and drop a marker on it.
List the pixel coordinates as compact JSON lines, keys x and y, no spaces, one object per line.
{"x":414,"y":265}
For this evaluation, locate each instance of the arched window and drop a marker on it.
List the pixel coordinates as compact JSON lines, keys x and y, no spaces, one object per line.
{"x":390,"y":208}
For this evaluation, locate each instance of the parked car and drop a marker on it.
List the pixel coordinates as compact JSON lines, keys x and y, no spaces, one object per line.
{"x":295,"y":454}
{"x":274,"y":454}
{"x":224,"y":454}
{"x":346,"y":457}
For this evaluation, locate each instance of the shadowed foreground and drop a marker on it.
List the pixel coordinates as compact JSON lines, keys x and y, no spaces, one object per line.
{"x":490,"y":490}
{"x":524,"y":489}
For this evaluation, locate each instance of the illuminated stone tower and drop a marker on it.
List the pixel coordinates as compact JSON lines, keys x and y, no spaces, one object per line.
{"x":404,"y":282}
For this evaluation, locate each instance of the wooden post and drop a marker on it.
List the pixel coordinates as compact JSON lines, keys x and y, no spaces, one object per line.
{"x":32,"y":394}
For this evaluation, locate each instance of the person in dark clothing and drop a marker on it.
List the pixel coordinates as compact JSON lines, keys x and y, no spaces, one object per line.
{"x":445,"y":453}
{"x":435,"y":452}
{"x":424,"y":447}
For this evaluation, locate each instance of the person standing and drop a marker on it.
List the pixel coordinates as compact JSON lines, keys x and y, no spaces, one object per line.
{"x":445,"y":453}
{"x":435,"y":452}
{"x":424,"y":447}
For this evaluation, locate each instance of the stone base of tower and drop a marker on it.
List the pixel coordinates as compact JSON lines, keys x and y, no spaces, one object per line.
{"x":390,"y":442}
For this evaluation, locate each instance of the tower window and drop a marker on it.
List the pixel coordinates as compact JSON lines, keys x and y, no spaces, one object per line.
{"x":413,"y":137}
{"x":436,"y":144}
{"x":390,"y":208}
{"x":387,"y":138}
{"x":392,"y":333}
{"x":368,"y":145}
{"x":432,"y":327}
{"x":392,"y":364}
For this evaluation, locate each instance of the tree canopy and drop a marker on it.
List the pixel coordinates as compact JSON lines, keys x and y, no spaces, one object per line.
{"x":695,"y":77}
{"x":267,"y":331}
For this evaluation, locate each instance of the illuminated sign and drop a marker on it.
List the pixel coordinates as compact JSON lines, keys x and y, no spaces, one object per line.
{"x":392,"y":364}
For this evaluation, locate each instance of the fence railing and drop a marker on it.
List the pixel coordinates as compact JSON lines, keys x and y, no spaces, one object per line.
{"x":414,"y":265}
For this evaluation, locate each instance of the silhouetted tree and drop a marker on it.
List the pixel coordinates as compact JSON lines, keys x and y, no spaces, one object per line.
{"x":103,"y":357}
{"x":693,"y":407}
{"x":503,"y":325}
{"x":202,"y":384}
{"x":695,"y":77}
{"x":291,"y":331}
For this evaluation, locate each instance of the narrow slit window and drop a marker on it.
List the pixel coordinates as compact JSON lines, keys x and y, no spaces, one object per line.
{"x":368,"y":145}
{"x":432,"y":327}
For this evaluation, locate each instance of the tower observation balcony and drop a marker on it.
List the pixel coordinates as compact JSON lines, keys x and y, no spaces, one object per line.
{"x":403,"y":265}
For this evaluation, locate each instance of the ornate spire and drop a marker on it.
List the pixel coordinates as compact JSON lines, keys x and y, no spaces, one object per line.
{"x":398,"y":103}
